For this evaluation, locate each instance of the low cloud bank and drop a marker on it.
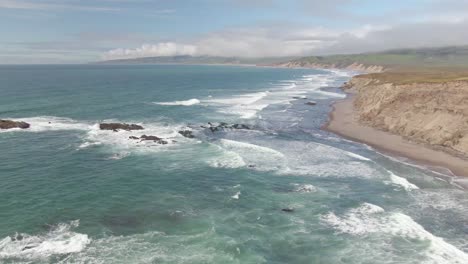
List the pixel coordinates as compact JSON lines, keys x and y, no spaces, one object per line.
{"x":280,"y":42}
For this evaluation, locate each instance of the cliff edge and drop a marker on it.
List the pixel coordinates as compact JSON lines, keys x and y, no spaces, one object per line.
{"x":427,"y":109}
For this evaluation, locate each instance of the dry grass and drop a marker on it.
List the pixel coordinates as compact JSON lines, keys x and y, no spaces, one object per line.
{"x":420,"y":75}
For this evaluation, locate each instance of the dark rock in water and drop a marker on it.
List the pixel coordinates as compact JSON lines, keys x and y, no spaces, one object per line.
{"x":240,"y":126}
{"x":28,"y":247}
{"x":150,"y":138}
{"x":119,"y":126}
{"x":299,"y":97}
{"x":154,"y":139}
{"x":311,"y":103}
{"x":186,"y":133}
{"x":17,"y":237}
{"x":287,"y":210}
{"x":222,"y":126}
{"x":252,"y":166}
{"x":8,"y":124}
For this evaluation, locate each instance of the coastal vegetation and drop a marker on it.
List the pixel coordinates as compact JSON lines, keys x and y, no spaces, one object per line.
{"x":454,"y":57}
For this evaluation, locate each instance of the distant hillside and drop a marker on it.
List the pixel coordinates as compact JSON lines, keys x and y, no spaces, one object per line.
{"x":198,"y":60}
{"x":401,"y":58}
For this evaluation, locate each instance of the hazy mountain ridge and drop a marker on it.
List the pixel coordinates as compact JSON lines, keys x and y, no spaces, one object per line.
{"x":186,"y":59}
{"x":456,"y":56}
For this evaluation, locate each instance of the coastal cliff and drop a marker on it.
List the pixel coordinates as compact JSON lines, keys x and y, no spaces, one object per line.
{"x":351,"y":66}
{"x":433,"y":112}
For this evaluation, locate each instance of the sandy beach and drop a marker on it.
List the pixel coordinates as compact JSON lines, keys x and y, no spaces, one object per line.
{"x":343,"y":121}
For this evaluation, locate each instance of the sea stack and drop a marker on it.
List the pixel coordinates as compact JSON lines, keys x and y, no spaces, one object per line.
{"x":8,"y":124}
{"x":119,"y":126}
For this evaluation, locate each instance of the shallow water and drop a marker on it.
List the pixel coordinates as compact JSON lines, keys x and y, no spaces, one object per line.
{"x":71,"y":193}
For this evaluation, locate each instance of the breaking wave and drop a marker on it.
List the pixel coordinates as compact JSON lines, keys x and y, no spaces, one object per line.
{"x":182,"y":103}
{"x":369,"y":220}
{"x":49,"y":123}
{"x":59,"y":240}
{"x":401,"y":182}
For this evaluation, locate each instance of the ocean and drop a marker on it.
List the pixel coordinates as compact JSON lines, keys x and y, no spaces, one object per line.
{"x":275,"y":188}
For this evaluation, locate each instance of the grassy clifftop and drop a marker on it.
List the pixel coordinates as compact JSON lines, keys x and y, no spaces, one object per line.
{"x":421,"y":75}
{"x":422,"y":57}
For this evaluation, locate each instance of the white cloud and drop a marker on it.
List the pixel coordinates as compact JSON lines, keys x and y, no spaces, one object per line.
{"x":249,"y":43}
{"x":51,"y":5}
{"x":155,"y":50}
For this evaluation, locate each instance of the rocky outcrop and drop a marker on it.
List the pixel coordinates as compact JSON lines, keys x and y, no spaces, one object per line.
{"x":9,"y":124}
{"x":216,"y":127}
{"x":150,"y":138}
{"x":186,"y":133}
{"x":119,"y":126}
{"x":434,"y":113}
{"x":350,"y":66}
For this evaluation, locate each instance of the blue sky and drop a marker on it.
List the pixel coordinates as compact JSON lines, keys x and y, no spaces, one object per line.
{"x":74,"y":31}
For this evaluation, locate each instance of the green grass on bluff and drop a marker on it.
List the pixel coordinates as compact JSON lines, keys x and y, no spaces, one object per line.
{"x":420,"y":75}
{"x":404,"y":66}
{"x":423,"y":57}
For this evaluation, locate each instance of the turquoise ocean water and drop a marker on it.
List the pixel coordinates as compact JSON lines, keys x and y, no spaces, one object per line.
{"x":71,"y":193}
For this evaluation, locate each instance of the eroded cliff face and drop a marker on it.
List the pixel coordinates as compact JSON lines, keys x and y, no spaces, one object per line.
{"x":352,"y":67}
{"x":432,"y":113}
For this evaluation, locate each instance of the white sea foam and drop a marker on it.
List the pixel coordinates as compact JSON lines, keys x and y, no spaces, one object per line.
{"x":158,"y":247}
{"x":226,"y":159}
{"x":60,"y":240}
{"x":50,"y":123}
{"x":369,"y":219}
{"x":117,"y":141}
{"x":120,"y":142}
{"x":402,"y":182}
{"x":246,"y":106}
{"x":243,"y":154}
{"x":305,"y":188}
{"x":354,"y":155}
{"x":236,"y":145}
{"x":89,"y":144}
{"x":442,"y":200}
{"x":236,"y":196}
{"x":182,"y":103}
{"x":330,"y":94}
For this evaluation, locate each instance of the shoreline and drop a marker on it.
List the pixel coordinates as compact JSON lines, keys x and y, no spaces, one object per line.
{"x":343,"y":122}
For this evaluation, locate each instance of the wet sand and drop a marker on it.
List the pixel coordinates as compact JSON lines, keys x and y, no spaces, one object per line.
{"x":343,"y":121}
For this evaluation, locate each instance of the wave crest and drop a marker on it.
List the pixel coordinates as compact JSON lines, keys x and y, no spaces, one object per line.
{"x":58,"y":241}
{"x":182,"y":103}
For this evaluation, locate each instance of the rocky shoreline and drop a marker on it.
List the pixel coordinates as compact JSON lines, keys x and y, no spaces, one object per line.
{"x":117,"y":127}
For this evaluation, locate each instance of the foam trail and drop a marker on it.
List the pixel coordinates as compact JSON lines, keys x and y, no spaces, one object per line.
{"x":402,"y":182}
{"x":60,"y":240}
{"x":236,"y":196}
{"x":182,"y":103}
{"x":228,"y":159}
{"x":305,"y":188}
{"x":246,"y":106}
{"x":369,"y":219}
{"x":231,"y":144}
{"x":328,"y":148}
{"x":49,"y":123}
{"x":354,"y":155}
{"x":240,"y":154}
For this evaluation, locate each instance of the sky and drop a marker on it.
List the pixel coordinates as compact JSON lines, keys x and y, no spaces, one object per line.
{"x":80,"y":31}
